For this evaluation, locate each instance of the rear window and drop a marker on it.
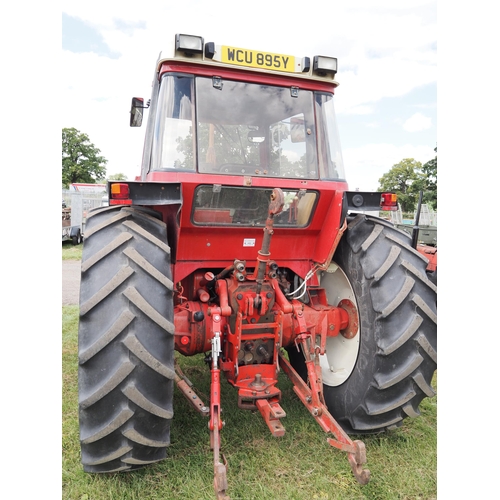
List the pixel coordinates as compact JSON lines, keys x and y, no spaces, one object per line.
{"x":224,"y":205}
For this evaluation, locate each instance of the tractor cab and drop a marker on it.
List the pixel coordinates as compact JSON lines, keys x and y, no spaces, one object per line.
{"x":213,"y":118}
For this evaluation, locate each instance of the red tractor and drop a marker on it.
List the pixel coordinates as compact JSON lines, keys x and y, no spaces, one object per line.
{"x":241,"y":240}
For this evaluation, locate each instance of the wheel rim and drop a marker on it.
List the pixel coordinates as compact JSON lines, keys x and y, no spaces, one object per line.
{"x":341,"y":353}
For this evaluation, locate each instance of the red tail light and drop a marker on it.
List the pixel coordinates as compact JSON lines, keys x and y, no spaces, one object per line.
{"x":389,"y":201}
{"x":120,"y":194}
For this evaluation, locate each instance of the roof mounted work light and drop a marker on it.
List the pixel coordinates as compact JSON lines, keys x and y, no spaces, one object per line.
{"x":323,"y":65}
{"x":189,"y":44}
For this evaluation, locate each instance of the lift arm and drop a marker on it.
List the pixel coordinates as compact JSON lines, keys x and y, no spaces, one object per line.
{"x":355,"y":449}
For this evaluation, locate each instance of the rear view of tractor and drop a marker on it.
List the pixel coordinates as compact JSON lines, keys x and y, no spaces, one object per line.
{"x":241,"y":240}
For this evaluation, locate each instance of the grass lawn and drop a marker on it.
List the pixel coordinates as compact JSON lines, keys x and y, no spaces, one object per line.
{"x":300,"y":465}
{"x":71,"y":252}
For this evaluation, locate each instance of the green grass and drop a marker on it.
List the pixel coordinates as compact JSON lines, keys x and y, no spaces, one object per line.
{"x":71,"y":252}
{"x":300,"y":465}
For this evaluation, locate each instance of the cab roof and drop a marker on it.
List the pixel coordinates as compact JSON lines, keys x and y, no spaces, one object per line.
{"x":193,"y":49}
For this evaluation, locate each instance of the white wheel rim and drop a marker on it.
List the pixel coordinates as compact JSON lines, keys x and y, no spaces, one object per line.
{"x":341,"y":353}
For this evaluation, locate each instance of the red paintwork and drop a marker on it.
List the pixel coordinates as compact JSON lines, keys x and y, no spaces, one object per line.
{"x":193,"y":337}
{"x":429,"y":253}
{"x":245,"y":76}
{"x":208,"y":247}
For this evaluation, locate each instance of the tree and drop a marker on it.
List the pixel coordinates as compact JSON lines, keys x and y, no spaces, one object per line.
{"x":81,"y":160}
{"x":404,"y":179}
{"x":117,"y":177}
{"x":430,"y":188}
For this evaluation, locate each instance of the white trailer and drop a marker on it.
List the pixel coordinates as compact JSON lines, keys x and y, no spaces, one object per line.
{"x":72,"y":218}
{"x":79,"y":199}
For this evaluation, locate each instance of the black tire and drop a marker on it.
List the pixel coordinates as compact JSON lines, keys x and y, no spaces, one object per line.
{"x":125,"y":345}
{"x":397,"y":345}
{"x":76,"y":239}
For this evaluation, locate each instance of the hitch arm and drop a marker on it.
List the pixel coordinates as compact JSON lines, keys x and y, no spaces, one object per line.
{"x":356,"y":449}
{"x":186,"y":388}
{"x":215,"y":424}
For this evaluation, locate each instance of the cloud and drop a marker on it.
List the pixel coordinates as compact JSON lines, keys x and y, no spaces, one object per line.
{"x":364,"y":166}
{"x":417,"y":122}
{"x":80,"y":37}
{"x":383,"y":49}
{"x":361,"y":109}
{"x":388,"y":76}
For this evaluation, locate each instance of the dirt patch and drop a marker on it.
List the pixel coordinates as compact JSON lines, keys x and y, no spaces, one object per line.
{"x":71,"y":270}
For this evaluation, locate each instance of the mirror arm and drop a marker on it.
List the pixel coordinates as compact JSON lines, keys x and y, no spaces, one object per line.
{"x":144,"y":107}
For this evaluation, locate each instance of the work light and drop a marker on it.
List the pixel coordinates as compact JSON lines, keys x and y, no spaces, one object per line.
{"x":324,"y":65}
{"x":189,"y":44}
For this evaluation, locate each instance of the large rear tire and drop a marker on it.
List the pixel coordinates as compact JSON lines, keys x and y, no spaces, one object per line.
{"x":374,"y":380}
{"x":125,"y":345}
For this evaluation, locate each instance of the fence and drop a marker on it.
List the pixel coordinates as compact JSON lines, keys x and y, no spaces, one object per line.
{"x":89,"y":200}
{"x":427,"y":216}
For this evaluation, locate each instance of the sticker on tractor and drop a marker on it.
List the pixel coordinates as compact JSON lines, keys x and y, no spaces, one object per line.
{"x":249,"y":242}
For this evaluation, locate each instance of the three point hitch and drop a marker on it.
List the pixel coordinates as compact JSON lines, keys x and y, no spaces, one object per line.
{"x":247,"y":327}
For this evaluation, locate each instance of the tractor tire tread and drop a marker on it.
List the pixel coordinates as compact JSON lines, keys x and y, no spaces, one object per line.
{"x":398,"y":314}
{"x":126,"y":346}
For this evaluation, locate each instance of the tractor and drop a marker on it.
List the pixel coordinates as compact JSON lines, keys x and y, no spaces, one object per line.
{"x":240,"y":240}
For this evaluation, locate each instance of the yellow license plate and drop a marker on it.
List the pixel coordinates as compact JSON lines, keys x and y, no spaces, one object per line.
{"x":257,"y":59}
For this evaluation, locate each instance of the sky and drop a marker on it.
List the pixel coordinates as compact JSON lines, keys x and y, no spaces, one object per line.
{"x":386,"y":102}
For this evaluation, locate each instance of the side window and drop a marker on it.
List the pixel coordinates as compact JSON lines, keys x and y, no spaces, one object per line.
{"x":331,"y":164}
{"x":173,"y":142}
